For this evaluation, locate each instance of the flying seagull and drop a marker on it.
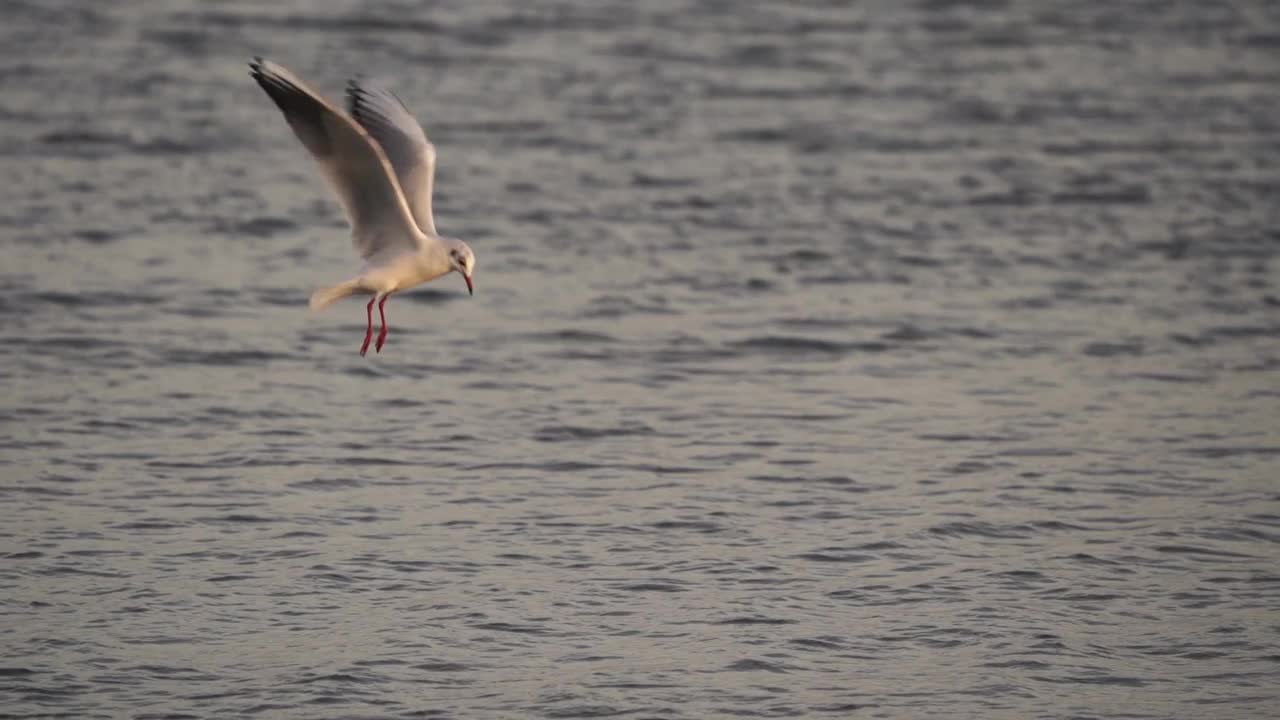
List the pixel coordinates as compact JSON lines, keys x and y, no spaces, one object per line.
{"x":382,"y":166}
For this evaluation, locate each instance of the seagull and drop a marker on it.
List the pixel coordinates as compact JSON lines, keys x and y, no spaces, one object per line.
{"x":382,"y":167}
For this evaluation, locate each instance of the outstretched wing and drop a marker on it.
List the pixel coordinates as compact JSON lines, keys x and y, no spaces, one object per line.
{"x":385,"y":117}
{"x":352,"y":162}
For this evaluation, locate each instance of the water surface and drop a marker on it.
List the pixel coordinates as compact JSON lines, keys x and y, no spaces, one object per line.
{"x":910,"y":360}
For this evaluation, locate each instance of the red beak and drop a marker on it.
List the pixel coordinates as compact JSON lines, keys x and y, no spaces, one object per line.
{"x":471,"y":288}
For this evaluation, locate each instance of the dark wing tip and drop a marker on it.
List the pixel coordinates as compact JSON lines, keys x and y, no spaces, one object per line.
{"x":304,"y":112}
{"x":354,"y":91}
{"x":278,"y":87}
{"x":363,"y":104}
{"x":359,"y":108}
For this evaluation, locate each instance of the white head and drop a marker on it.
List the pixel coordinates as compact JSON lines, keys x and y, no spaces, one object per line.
{"x":461,"y":260}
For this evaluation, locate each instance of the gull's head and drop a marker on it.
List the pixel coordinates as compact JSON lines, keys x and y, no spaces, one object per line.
{"x":463,"y":261}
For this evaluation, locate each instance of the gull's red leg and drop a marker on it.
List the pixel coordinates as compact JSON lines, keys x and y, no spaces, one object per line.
{"x":368,"y":333}
{"x":382,"y":334}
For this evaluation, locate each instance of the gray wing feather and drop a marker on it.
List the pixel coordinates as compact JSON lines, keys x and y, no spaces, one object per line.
{"x":386,"y":118}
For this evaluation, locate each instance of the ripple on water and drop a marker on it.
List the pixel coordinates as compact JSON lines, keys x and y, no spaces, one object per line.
{"x":798,"y":387}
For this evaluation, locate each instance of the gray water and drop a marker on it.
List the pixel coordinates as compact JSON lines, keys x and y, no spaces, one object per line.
{"x":910,"y":360}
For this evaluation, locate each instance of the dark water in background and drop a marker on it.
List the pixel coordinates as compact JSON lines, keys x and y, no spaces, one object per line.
{"x":913,"y":360}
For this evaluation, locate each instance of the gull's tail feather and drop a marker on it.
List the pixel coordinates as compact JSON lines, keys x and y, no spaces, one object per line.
{"x":324,"y":297}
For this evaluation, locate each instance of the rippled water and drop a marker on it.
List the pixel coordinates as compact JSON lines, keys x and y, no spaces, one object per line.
{"x":911,"y":360}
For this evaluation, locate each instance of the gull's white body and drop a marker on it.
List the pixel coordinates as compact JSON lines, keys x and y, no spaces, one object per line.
{"x":382,"y":167}
{"x":383,"y":275}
